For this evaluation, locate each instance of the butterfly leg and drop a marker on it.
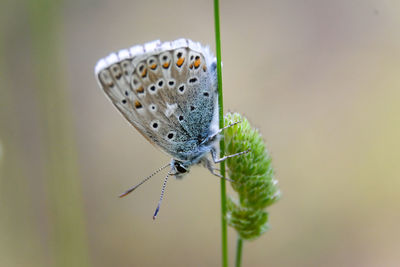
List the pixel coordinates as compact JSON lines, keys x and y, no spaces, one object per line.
{"x":210,"y":166}
{"x":217,"y":160}
{"x":222,"y":177}
{"x":212,"y":137}
{"x":230,"y":125}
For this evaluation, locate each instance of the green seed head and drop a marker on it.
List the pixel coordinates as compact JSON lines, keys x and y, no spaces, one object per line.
{"x":253,"y":178}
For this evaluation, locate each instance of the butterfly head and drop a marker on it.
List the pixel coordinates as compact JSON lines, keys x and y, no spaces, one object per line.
{"x":179,"y":168}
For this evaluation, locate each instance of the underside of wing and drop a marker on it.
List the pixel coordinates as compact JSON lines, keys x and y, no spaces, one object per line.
{"x":167,"y":91}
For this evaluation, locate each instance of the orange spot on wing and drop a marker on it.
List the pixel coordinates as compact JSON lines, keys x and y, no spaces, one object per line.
{"x":166,"y":65}
{"x":153,"y":67}
{"x":144,"y":72}
{"x":197,"y":63}
{"x":140,"y":89}
{"x":180,"y":61}
{"x":138,"y":104}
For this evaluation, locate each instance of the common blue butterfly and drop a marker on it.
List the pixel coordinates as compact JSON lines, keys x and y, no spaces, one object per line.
{"x":168,"y":92}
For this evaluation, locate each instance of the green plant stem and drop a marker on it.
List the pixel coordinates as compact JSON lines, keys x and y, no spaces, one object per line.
{"x":224,"y":226}
{"x":239,"y":248}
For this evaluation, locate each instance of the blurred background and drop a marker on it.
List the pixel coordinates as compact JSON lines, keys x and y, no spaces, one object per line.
{"x":320,"y":79}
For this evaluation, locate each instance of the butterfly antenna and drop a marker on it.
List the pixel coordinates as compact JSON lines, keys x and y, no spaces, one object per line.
{"x":144,"y":180}
{"x":162,"y":195}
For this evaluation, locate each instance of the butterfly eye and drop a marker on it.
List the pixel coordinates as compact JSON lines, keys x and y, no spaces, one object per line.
{"x":180,"y":168}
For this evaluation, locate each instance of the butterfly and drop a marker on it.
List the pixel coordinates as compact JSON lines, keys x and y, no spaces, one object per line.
{"x":168,"y":92}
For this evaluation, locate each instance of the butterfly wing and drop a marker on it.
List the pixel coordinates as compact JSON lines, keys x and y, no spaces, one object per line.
{"x":167,"y":91}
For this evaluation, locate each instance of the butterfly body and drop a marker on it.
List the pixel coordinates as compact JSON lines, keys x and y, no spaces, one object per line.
{"x":168,"y":92}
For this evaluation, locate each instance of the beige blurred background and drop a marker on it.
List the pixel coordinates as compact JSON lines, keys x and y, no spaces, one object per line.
{"x":320,"y":79}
